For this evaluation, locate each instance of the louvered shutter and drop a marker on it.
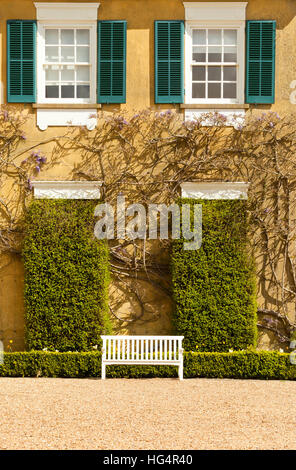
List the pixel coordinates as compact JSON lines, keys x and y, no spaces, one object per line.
{"x":111,"y":61}
{"x":169,"y":61}
{"x":260,"y":66}
{"x":21,"y":61}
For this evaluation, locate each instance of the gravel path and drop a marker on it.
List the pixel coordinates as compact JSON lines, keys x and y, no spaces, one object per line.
{"x":146,"y":414}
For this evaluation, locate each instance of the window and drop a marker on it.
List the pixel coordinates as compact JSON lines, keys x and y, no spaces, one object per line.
{"x":214,"y":64}
{"x":67,"y":63}
{"x":214,"y":53}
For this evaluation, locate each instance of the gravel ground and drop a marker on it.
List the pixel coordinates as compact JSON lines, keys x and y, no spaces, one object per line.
{"x":146,"y":414}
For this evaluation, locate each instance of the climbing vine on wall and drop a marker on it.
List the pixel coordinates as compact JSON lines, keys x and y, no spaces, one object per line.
{"x":146,"y":156}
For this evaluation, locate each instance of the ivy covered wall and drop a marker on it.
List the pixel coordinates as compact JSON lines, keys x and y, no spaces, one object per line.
{"x":214,"y":287}
{"x":66,"y":277}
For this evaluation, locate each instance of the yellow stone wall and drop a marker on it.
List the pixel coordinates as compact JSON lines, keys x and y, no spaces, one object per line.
{"x":140,"y":16}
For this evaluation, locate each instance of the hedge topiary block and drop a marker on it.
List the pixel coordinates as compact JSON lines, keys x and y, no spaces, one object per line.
{"x":66,"y":277}
{"x":264,"y":365}
{"x":214,"y":287}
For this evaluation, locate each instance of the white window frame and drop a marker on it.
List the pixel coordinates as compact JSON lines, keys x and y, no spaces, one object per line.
{"x":240,"y":61}
{"x":66,"y":14}
{"x":42,"y":26}
{"x":204,"y":15}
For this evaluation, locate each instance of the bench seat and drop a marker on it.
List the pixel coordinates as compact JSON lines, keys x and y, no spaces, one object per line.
{"x":141,"y":350}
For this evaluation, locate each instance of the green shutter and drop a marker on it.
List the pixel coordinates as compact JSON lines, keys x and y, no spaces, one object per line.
{"x":111,"y":61}
{"x":260,"y":66}
{"x":21,"y":61}
{"x":169,"y":61}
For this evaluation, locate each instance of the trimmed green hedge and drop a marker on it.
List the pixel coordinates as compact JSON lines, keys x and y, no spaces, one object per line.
{"x":237,"y":365}
{"x":214,"y":287}
{"x":66,"y":277}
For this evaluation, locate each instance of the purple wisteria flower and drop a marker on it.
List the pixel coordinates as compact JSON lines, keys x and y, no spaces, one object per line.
{"x":29,"y":184}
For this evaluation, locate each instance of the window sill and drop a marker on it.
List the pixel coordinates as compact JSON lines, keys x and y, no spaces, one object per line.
{"x":214,"y":106}
{"x":66,"y":106}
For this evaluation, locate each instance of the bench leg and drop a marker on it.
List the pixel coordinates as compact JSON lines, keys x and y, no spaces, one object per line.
{"x":103,"y":371}
{"x":180,"y":372}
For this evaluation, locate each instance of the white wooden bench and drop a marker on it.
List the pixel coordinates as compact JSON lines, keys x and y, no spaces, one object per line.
{"x":155,"y":350}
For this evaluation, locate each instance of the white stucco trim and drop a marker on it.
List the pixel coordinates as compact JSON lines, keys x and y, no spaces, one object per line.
{"x":66,"y":189}
{"x":219,"y":190}
{"x":234,"y":117}
{"x":67,"y":11}
{"x":66,"y":117}
{"x":215,"y":10}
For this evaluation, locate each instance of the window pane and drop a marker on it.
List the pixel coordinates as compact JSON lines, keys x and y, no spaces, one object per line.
{"x":51,"y":75}
{"x":67,"y":54}
{"x":215,"y":36}
{"x":52,"y":91}
{"x":230,"y":37}
{"x":229,"y":90}
{"x":214,"y":90}
{"x":198,"y":90}
{"x":51,"y":36}
{"x":67,"y":36}
{"x":82,"y":54}
{"x":67,"y":75}
{"x":199,"y":54}
{"x":83,"y":91}
{"x":198,"y":73}
{"x":52,"y":54}
{"x":67,"y":91}
{"x":215,"y":54}
{"x":82,"y":36}
{"x":83,"y":74}
{"x":214,"y":73}
{"x":229,"y":74}
{"x":230,"y":54}
{"x":199,"y":36}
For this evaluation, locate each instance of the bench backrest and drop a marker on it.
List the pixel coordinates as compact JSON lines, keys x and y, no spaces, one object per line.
{"x":142,"y":348}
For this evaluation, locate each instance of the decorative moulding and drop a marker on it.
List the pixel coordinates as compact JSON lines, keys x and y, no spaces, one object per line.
{"x":208,"y":11}
{"x":66,"y":117}
{"x":66,"y":189}
{"x":67,"y":11}
{"x":219,"y":190}
{"x":233,"y":117}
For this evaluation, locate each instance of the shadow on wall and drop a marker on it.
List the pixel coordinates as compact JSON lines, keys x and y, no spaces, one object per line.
{"x":12,"y":302}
